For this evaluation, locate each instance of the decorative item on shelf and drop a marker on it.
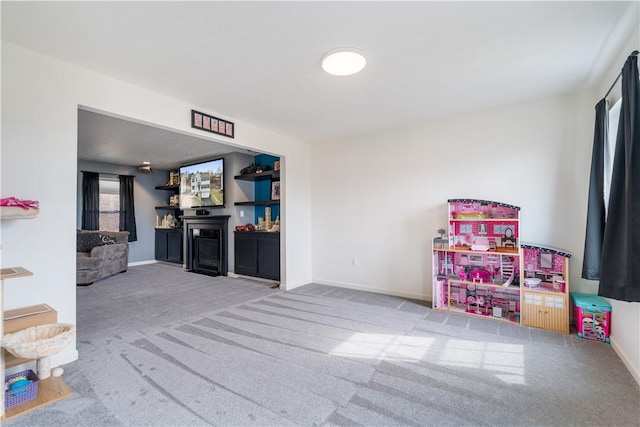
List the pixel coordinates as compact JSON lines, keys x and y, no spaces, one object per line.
{"x":168,"y":221}
{"x":247,"y":227}
{"x":254,"y":168}
{"x":275,"y":190}
{"x":174,"y":200}
{"x":276,"y":165}
{"x":260,"y":223}
{"x":12,"y":207}
{"x":267,"y":218}
{"x":174,"y":178}
{"x":248,"y":170}
{"x":276,"y":225}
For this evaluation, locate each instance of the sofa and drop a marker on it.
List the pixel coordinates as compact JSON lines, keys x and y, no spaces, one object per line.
{"x":100,"y":254}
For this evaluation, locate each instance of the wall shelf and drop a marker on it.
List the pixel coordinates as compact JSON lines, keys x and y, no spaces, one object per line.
{"x":168,"y":187}
{"x":50,"y":390}
{"x":259,"y":176}
{"x":14,"y":212}
{"x":258,"y":203}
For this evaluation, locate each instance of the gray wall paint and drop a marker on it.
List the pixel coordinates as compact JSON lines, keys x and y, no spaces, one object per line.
{"x":147,"y":197}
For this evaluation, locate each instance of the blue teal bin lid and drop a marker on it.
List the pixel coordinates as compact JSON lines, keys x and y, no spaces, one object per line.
{"x":595,"y":302}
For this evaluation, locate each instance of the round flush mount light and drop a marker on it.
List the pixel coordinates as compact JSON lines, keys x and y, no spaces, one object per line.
{"x":343,"y":61}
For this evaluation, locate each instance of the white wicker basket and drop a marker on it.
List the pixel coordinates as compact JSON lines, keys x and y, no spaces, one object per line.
{"x":39,"y":341}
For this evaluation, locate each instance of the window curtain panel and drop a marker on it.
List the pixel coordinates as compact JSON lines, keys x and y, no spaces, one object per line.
{"x":90,"y":200}
{"x":127,"y":210}
{"x":620,"y":261}
{"x":595,"y":206}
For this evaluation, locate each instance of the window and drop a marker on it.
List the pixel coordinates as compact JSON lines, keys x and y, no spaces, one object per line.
{"x":610,"y":150}
{"x":109,"y":203}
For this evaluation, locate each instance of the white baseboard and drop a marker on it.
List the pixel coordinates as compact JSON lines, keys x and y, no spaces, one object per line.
{"x":633,"y":370}
{"x":133,"y":264}
{"x":396,"y":293}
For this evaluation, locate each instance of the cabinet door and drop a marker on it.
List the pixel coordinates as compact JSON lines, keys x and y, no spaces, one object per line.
{"x":162,"y":249}
{"x":532,"y":310}
{"x":269,"y":256}
{"x":556,"y":313}
{"x":546,"y":311}
{"x":174,"y":246}
{"x":246,"y":254}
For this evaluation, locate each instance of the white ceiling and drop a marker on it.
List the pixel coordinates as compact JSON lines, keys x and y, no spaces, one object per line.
{"x":259,"y":62}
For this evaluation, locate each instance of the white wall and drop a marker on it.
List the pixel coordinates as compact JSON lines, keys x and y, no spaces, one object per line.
{"x":381,"y":198}
{"x":40,"y":99}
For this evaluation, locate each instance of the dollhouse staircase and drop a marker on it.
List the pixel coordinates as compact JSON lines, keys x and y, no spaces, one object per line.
{"x":507,"y":269}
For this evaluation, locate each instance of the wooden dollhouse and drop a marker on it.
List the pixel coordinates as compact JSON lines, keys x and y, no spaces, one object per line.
{"x":483,"y":269}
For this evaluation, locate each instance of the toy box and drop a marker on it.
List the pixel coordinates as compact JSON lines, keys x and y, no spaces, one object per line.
{"x":592,"y":316}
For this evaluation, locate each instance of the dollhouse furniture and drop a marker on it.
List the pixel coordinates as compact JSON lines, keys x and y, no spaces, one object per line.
{"x":477,"y":271}
{"x":545,"y":301}
{"x":504,"y":280}
{"x":100,"y":254}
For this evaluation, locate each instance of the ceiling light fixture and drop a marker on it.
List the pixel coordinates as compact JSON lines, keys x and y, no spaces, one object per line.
{"x":145,"y":167}
{"x":344,"y":61}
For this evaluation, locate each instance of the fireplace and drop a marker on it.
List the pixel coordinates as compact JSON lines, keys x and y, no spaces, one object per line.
{"x":206,"y":244}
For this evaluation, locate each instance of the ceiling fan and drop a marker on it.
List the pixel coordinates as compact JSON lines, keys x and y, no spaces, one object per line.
{"x":145,"y":167}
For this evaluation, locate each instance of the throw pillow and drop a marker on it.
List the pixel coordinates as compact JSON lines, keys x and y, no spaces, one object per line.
{"x":87,"y":241}
{"x":107,"y":240}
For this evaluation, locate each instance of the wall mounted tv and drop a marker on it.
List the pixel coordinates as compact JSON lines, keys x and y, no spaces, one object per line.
{"x":202,"y":185}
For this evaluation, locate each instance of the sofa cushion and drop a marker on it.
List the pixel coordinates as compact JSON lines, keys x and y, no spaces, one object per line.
{"x":87,"y":241}
{"x":86,"y":262}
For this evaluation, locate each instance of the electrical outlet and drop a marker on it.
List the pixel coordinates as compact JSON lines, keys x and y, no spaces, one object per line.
{"x":241,"y":214}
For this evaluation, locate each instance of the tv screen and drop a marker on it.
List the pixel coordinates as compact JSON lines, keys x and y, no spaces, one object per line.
{"x":202,"y":185}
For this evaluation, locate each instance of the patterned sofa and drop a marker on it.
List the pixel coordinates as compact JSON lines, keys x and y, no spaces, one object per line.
{"x":100,"y":254}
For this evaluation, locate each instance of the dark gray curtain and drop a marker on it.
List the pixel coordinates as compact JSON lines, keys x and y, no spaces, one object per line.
{"x":90,"y":201}
{"x":595,"y":206}
{"x":127,"y":210}
{"x":620,"y":263}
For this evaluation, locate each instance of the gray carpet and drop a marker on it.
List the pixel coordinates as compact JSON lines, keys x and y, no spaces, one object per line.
{"x":163,"y":347}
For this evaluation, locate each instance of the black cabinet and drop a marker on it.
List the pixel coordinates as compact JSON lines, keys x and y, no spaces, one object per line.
{"x":257,"y":254}
{"x":169,"y":245}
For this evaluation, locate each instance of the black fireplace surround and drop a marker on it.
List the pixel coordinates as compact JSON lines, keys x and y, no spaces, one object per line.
{"x":206,"y":244}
